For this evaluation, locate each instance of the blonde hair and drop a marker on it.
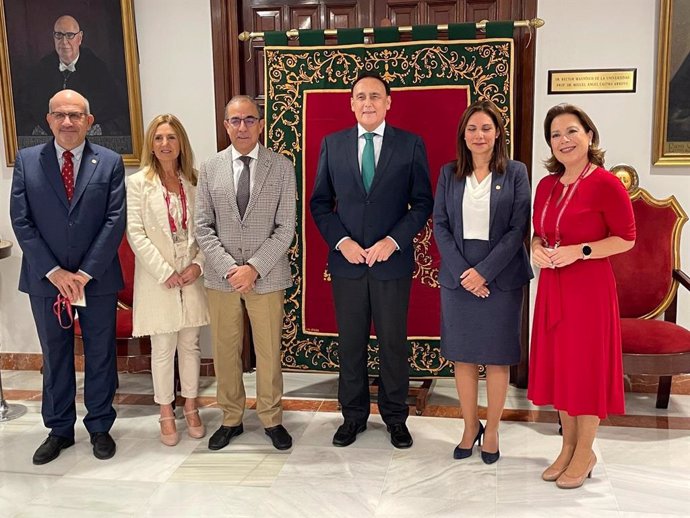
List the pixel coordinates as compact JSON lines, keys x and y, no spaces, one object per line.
{"x":185,"y":161}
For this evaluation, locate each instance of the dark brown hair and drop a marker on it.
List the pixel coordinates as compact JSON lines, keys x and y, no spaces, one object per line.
{"x":499,"y":157}
{"x":595,"y":153}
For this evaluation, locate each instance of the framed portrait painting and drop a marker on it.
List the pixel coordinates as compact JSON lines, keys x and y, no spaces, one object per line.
{"x":672,"y":114}
{"x":83,"y":45}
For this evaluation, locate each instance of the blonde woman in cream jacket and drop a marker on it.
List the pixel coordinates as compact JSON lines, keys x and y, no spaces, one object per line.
{"x":169,"y":297}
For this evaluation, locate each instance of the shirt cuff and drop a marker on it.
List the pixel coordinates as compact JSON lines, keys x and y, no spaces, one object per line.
{"x":85,"y":274}
{"x":397,"y":248}
{"x":337,"y":245}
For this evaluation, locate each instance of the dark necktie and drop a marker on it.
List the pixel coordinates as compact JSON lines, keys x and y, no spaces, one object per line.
{"x":67,"y":174}
{"x":368,"y":161}
{"x":243,"y":186}
{"x":65,"y":73}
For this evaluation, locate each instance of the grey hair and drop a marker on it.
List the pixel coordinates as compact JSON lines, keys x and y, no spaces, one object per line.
{"x":248,"y":98}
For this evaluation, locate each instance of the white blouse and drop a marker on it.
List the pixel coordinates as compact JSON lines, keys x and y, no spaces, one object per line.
{"x":475,"y":208}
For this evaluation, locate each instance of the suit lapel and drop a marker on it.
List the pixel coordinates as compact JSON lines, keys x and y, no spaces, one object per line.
{"x":89,"y":163}
{"x":458,"y":194}
{"x":387,"y":148}
{"x":51,"y":168}
{"x":154,"y":188}
{"x":351,"y":150}
{"x":497,"y":181}
{"x":263,"y":166}
{"x":226,"y":178}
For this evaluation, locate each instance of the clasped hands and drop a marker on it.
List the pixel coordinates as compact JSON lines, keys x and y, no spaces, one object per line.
{"x":473,"y":282}
{"x":377,"y":253}
{"x":243,"y":278}
{"x":555,"y":257}
{"x":185,"y":278}
{"x":70,"y":285}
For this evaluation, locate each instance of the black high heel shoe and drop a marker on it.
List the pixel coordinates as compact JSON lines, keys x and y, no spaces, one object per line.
{"x":490,"y":458}
{"x":463,"y":453}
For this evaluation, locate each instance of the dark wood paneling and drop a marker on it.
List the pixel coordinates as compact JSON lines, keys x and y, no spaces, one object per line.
{"x":404,"y":13}
{"x":342,"y":16}
{"x":305,"y":17}
{"x":442,"y":13}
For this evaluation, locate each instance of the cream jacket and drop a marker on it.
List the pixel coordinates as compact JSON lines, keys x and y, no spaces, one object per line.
{"x":158,"y":309}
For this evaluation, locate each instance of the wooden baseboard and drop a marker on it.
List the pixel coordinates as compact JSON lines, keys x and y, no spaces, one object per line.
{"x":137,"y":364}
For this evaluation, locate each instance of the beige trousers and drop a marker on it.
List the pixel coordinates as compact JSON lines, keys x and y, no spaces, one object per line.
{"x":227,"y":331}
{"x":163,"y":346}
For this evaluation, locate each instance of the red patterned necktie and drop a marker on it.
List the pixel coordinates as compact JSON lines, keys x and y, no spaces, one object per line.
{"x":68,"y":174}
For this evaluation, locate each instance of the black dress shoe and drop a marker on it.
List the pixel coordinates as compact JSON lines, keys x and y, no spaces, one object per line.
{"x":221,"y":437}
{"x":347,"y":433}
{"x":463,"y":453}
{"x":400,"y":435}
{"x":50,"y":449}
{"x":489,"y":457}
{"x":103,"y":445}
{"x":279,"y":437}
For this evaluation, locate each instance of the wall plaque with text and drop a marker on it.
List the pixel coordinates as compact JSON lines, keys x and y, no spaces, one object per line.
{"x":598,"y":81}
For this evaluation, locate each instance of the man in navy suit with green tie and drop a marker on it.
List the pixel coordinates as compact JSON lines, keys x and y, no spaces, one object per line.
{"x":68,"y":213}
{"x":372,"y":196}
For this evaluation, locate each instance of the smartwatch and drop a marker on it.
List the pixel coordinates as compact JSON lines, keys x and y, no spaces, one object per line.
{"x":586,"y":251}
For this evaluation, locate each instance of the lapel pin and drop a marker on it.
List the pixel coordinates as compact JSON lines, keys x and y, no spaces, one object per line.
{"x":498,"y":187}
{"x":94,"y":161}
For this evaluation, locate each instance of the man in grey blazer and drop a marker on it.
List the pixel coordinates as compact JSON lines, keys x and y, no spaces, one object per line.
{"x":245,"y":223}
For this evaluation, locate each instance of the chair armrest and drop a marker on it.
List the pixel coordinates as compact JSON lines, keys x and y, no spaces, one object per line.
{"x":682,"y":278}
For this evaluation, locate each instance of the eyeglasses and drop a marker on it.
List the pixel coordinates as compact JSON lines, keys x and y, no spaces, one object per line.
{"x":68,"y":35}
{"x":236,"y":122}
{"x":72,"y":116}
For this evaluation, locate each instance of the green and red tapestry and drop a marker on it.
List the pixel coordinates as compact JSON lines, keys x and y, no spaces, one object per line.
{"x":308,"y":97}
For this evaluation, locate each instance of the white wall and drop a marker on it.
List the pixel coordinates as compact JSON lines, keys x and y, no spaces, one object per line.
{"x":177,"y":76}
{"x":589,"y":34}
{"x":176,"y":71}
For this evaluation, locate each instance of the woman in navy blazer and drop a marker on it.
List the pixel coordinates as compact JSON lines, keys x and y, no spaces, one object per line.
{"x":481,"y":214}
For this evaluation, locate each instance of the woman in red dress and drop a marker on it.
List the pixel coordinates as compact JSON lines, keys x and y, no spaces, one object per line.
{"x":582,"y":215}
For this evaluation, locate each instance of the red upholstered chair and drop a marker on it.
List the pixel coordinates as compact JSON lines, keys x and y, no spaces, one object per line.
{"x":134,"y":352}
{"x":647,"y":281}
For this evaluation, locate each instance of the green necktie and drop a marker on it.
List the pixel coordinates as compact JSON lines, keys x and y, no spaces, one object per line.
{"x":368,"y":161}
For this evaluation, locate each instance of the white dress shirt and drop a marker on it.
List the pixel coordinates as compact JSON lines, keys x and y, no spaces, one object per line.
{"x":361,"y":142}
{"x":238,"y":165}
{"x":475,"y":208}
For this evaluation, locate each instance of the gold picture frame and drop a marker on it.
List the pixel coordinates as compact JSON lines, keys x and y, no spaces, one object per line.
{"x":672,"y":113}
{"x":108,"y":62}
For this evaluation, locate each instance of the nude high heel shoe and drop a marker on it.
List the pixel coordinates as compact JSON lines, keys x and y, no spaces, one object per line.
{"x":551,"y":474}
{"x":170,"y":439}
{"x":195,"y":432}
{"x":567,"y":482}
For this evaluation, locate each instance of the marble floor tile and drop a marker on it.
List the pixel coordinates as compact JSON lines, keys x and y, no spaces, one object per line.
{"x":97,"y":496}
{"x":642,"y":469}
{"x":645,"y":489}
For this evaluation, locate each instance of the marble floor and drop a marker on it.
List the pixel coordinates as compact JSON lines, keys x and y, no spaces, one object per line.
{"x":643,"y":469}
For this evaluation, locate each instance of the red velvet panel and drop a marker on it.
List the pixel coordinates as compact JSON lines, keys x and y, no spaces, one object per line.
{"x":431,"y":113}
{"x":643,"y":275}
{"x":126,"y":294}
{"x":653,"y":337}
{"x":123,"y":327}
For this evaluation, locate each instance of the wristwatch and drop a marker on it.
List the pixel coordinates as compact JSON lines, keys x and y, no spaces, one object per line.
{"x":586,"y":251}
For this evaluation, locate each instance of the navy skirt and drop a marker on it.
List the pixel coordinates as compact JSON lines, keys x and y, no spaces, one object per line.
{"x":483,"y":331}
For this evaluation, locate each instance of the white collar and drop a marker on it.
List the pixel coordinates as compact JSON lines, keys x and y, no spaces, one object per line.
{"x":76,"y":152}
{"x":378,"y":131}
{"x":254,"y":153}
{"x":69,"y":66}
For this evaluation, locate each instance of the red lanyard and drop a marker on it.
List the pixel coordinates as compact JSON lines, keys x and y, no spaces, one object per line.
{"x":183,"y":202}
{"x":63,"y":304}
{"x":563,"y":207}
